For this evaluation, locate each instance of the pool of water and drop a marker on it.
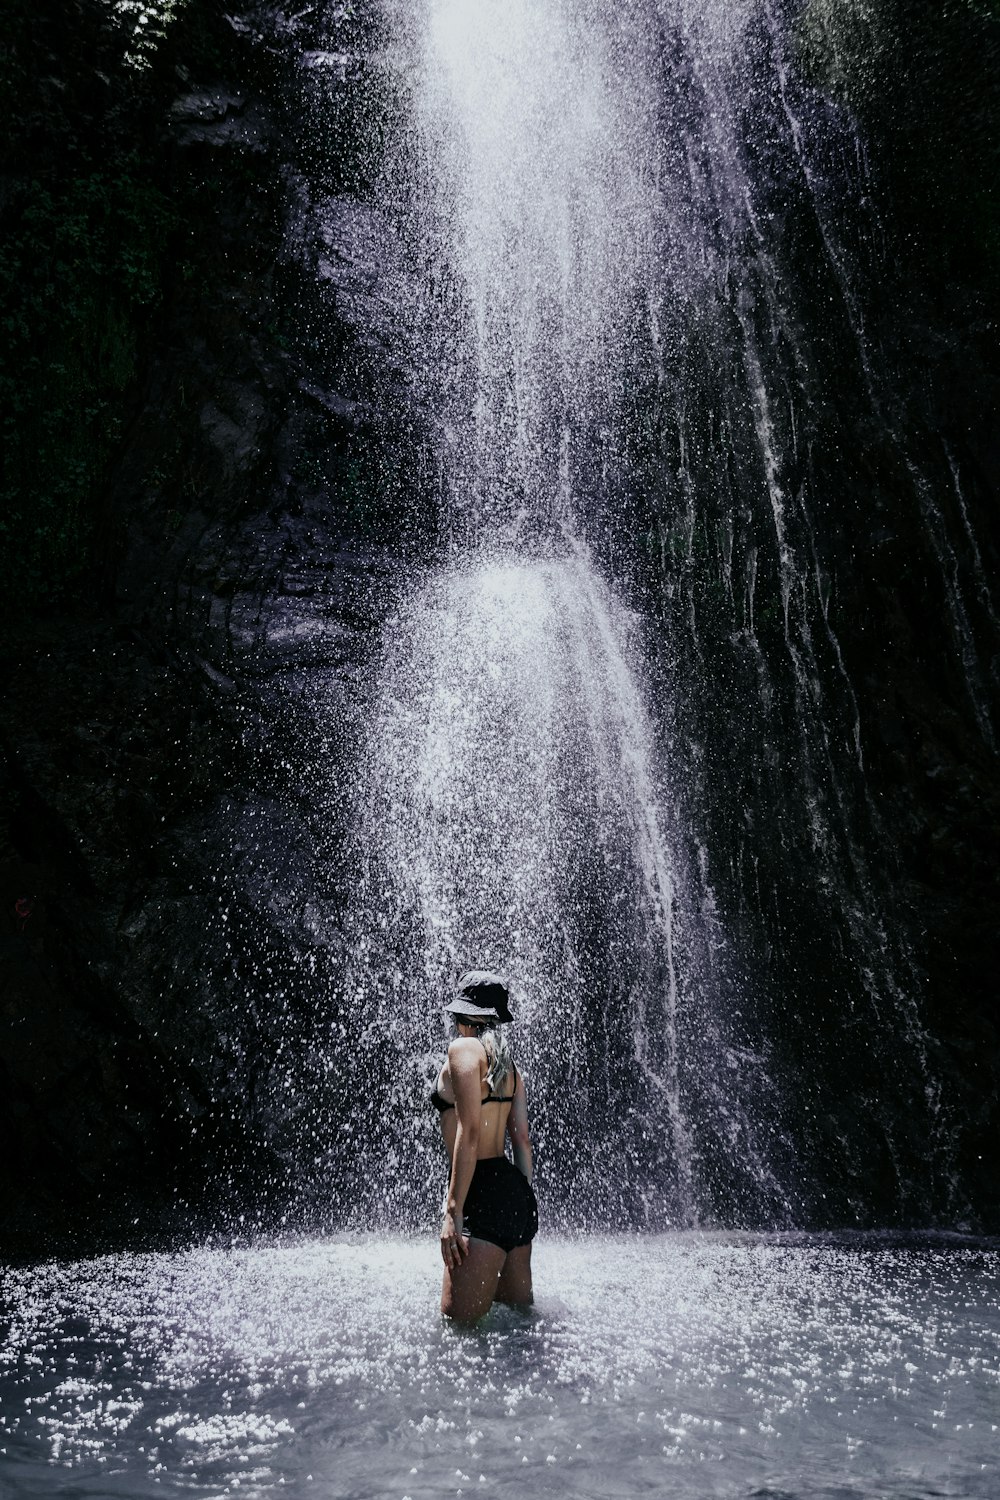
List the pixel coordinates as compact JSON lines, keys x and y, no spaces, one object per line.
{"x":689,"y":1365}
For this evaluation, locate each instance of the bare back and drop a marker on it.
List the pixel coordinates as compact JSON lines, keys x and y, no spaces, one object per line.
{"x":495,"y":1113}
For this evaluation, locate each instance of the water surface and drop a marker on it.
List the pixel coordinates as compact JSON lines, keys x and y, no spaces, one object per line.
{"x":688,"y":1364}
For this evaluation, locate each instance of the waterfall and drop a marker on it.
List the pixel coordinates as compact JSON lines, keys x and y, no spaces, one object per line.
{"x":512,"y":810}
{"x":619,"y":733}
{"x":514,"y":804}
{"x":533,"y":122}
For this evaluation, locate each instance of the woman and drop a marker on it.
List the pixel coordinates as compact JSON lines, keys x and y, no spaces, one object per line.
{"x":490,"y":1213}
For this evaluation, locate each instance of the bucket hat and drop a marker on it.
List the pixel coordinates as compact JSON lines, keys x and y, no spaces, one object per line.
{"x":482,"y":996}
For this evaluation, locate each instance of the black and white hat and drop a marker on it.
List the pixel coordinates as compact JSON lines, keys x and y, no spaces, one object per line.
{"x":482,"y":996}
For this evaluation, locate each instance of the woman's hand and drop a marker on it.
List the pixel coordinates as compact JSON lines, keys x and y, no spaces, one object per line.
{"x":454,"y":1244}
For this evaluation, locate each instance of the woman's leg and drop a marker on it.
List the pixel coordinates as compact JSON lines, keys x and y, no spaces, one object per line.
{"x":467,"y":1292}
{"x":514,"y":1286}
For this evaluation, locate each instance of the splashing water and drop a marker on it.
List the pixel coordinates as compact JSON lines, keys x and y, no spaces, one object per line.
{"x":511,"y":813}
{"x":513,"y":802}
{"x":695,"y":1366}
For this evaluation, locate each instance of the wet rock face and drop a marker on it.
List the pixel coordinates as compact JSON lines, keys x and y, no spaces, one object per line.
{"x":821,"y":540}
{"x":156,"y":856}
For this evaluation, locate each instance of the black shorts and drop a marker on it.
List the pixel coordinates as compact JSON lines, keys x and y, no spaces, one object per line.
{"x":500,"y":1205}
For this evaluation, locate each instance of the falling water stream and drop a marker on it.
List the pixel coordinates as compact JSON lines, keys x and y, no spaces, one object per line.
{"x":515,"y":800}
{"x":578,"y":190}
{"x":513,"y":813}
{"x":534,"y":130}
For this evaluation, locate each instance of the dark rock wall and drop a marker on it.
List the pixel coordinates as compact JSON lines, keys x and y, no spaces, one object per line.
{"x":923,"y":83}
{"x":814,"y":493}
{"x":236,"y":530}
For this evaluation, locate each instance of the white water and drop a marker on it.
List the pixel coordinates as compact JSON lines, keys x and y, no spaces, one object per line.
{"x":513,"y":801}
{"x":685,"y":1365}
{"x":616,"y":208}
{"x":534,"y":121}
{"x":510,"y":813}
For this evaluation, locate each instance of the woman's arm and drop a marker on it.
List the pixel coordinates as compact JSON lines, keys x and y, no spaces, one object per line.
{"x":465,"y":1057}
{"x":517,"y":1129}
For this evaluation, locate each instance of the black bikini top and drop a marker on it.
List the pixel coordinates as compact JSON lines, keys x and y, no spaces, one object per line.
{"x":441,"y":1104}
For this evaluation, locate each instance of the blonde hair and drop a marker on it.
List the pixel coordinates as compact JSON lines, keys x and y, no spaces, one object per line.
{"x":499,"y":1063}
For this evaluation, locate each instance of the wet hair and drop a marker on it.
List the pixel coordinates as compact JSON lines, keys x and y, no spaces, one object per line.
{"x":499,"y":1063}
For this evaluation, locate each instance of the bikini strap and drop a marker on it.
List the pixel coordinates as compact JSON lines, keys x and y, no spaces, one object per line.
{"x":492,"y":1098}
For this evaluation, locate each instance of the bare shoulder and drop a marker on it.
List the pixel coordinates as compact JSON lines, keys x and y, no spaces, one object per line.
{"x":466,"y":1052}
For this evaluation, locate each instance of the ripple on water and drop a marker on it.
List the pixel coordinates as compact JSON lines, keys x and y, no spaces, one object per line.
{"x":709,"y":1365}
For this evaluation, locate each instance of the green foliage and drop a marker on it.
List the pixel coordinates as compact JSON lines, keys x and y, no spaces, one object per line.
{"x":81,"y":269}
